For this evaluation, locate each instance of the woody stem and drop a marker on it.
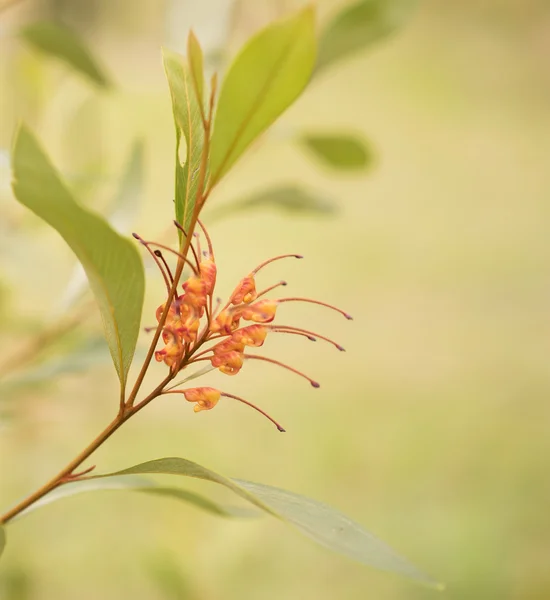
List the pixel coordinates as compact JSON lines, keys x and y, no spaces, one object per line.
{"x":64,"y":475}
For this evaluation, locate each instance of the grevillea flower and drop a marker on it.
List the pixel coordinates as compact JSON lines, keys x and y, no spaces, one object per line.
{"x":197,"y":329}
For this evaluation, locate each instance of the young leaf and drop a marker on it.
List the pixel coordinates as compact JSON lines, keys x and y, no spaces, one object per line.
{"x":358,"y":26}
{"x":136,"y":484}
{"x":266,"y":77}
{"x":2,"y":540}
{"x":288,"y":198}
{"x":339,"y":151}
{"x":62,"y":43}
{"x":112,"y":263}
{"x":196,"y":64}
{"x":318,"y":521}
{"x":188,"y":122}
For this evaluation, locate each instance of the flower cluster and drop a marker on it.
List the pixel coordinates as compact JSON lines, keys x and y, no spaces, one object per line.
{"x":193,"y":320}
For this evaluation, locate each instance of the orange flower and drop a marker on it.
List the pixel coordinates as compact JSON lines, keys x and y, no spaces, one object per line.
{"x":205,"y":397}
{"x":192,"y":321}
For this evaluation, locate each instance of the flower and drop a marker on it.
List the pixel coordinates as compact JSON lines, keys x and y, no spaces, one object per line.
{"x":193,"y":321}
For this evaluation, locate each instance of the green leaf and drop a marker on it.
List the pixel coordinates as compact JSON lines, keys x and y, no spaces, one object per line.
{"x":136,"y":484}
{"x":358,"y":26}
{"x":2,"y":539}
{"x":289,"y":199}
{"x":196,"y":64}
{"x":188,"y":122}
{"x":112,"y":263}
{"x":316,"y":520}
{"x":339,"y":151}
{"x":64,"y":44}
{"x":265,"y":78}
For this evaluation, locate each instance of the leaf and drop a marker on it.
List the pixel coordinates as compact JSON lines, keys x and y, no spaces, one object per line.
{"x":2,"y":539}
{"x":339,"y":151}
{"x":289,"y":198}
{"x":316,"y":520}
{"x":358,"y":26}
{"x":266,"y":77}
{"x":64,"y":44}
{"x":111,"y":262}
{"x":196,"y":64}
{"x":188,"y":122}
{"x":136,"y":484}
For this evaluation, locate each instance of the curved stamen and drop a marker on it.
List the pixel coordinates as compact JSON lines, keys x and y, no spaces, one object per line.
{"x":168,"y":249}
{"x":345,"y":314}
{"x":161,"y":256}
{"x":305,"y":332}
{"x":199,"y":253}
{"x":159,"y":265}
{"x":255,"y":408}
{"x":191,"y":247}
{"x":267,"y":290}
{"x":270,"y":260}
{"x":208,"y":240}
{"x":314,"y":383}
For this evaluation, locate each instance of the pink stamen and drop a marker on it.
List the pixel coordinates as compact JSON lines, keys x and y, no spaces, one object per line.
{"x":208,"y":240}
{"x":280,"y":364}
{"x":267,"y":290}
{"x":345,"y":314}
{"x":199,"y":253}
{"x":159,"y":265}
{"x":305,"y":332}
{"x":168,"y":249}
{"x":270,"y":260}
{"x":191,"y":247}
{"x":255,"y":408}
{"x":161,"y":256}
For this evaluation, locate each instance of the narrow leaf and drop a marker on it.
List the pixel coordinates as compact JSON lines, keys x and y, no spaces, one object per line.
{"x":196,"y":64}
{"x":137,"y":484}
{"x":112,"y":263}
{"x":358,"y":26}
{"x":188,"y":122}
{"x":2,"y":540}
{"x":289,"y":199}
{"x":265,"y":78}
{"x":318,"y":521}
{"x":64,"y":44}
{"x":339,"y":151}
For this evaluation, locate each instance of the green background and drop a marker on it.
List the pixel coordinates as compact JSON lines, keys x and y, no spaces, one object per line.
{"x":432,"y":430}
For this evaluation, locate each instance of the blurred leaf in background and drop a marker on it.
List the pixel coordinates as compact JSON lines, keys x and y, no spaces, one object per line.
{"x":358,"y":26}
{"x":60,"y":42}
{"x":169,"y":577}
{"x":339,"y":151}
{"x":289,"y":199}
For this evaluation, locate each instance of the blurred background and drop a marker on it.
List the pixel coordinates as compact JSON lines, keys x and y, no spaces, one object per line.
{"x":432,"y":430}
